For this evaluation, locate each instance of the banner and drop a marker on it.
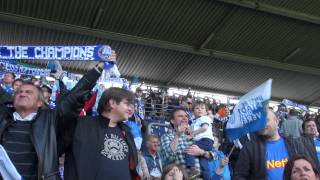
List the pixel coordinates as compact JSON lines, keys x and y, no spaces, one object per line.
{"x":250,"y":114}
{"x":6,"y":66}
{"x":72,"y":76}
{"x":70,"y":53}
{"x":8,"y":61}
{"x":7,"y":169}
{"x":287,"y":102}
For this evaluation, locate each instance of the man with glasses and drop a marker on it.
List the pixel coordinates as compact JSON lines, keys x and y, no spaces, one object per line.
{"x":102,"y":147}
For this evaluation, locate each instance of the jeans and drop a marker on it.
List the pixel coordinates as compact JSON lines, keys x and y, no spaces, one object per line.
{"x":207,"y":145}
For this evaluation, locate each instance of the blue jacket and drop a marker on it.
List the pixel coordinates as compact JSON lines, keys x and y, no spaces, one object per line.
{"x":215,"y":163}
{"x":151,"y":162}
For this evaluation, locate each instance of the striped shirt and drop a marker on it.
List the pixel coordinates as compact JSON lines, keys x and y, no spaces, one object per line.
{"x":18,"y":145}
{"x":177,"y":156}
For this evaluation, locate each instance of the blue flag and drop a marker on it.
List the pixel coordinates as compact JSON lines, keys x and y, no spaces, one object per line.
{"x":287,"y":102}
{"x":250,"y":114}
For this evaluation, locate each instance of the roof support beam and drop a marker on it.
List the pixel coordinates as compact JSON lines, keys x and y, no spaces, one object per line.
{"x":291,"y":55}
{"x":97,"y":18}
{"x":314,"y":102}
{"x":41,"y":23}
{"x":227,"y":15}
{"x":179,"y":70}
{"x":274,"y":10}
{"x":205,"y":42}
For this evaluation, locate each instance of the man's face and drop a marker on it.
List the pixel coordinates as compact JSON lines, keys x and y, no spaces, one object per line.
{"x":17,"y":85}
{"x":310,"y":128}
{"x":46,"y":93}
{"x":102,"y":87}
{"x":227,"y":111}
{"x":184,"y":104}
{"x":131,"y":110}
{"x":216,"y":143}
{"x":121,"y":110}
{"x":272,"y":126}
{"x":153,"y":144}
{"x":180,"y":118}
{"x":189,"y":103}
{"x":27,"y":98}
{"x":139,"y":93}
{"x":8,"y":78}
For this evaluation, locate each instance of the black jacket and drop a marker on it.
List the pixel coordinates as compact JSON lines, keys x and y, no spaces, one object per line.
{"x":83,"y":157}
{"x":49,"y":124}
{"x":251,"y":163}
{"x":309,"y":142}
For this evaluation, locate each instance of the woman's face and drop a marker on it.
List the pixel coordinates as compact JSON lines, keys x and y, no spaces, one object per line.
{"x":174,"y":174}
{"x":302,"y":170}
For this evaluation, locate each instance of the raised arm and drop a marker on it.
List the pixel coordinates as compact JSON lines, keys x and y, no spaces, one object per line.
{"x":71,"y":104}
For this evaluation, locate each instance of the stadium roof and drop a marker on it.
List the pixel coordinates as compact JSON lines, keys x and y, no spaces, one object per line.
{"x":225,"y":46}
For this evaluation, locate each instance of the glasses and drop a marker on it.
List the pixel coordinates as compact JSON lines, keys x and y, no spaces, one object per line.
{"x":189,"y":102}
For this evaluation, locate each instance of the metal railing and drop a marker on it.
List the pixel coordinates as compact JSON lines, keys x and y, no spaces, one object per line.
{"x":151,"y":125}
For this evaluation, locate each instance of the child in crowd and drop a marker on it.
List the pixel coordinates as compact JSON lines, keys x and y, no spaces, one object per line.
{"x":219,"y":165}
{"x":174,"y":172}
{"x":202,"y":137}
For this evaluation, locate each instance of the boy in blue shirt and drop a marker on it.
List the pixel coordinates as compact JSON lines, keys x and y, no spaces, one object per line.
{"x":219,"y":165}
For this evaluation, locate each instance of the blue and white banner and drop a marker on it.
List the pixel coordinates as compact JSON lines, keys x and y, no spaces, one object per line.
{"x":7,"y":169}
{"x":72,"y":76}
{"x":74,"y":53}
{"x":17,"y":69}
{"x":287,"y":102}
{"x":250,"y":114}
{"x":114,"y":82}
{"x":8,"y":61}
{"x":6,"y":66}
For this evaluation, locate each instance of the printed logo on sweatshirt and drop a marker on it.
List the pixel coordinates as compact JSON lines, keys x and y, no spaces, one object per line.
{"x":115,"y":148}
{"x":272,"y":164}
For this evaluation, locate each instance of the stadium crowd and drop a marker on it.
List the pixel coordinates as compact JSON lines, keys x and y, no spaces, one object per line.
{"x":122,"y":139}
